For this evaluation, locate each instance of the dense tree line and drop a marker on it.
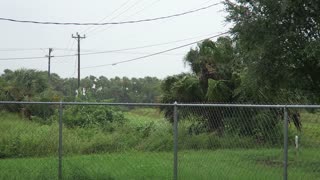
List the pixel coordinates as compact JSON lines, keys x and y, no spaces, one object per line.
{"x":32,"y":85}
{"x":117,"y":89}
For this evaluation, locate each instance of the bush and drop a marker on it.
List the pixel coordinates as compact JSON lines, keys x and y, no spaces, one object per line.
{"x":92,"y":116}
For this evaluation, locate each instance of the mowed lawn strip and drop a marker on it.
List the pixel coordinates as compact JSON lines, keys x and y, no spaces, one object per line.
{"x":219,"y":164}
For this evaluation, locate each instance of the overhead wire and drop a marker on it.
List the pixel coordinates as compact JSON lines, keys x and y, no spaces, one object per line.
{"x":108,"y":23}
{"x":153,"y":54}
{"x":21,"y":49}
{"x":68,"y":48}
{"x":108,"y":27}
{"x":147,"y":46}
{"x":42,"y":49}
{"x":75,"y":67}
{"x":112,"y":51}
{"x":109,"y":15}
{"x":123,"y":12}
{"x":130,"y":52}
{"x":144,"y":8}
{"x":32,"y":58}
{"x":201,"y":4}
{"x":22,"y":58}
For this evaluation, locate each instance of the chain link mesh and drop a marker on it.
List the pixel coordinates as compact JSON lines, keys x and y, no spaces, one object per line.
{"x":135,"y":142}
{"x":230,"y":143}
{"x":117,"y":143}
{"x":304,"y":144}
{"x":28,"y":142}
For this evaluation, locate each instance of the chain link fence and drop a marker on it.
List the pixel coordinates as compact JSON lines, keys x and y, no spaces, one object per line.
{"x":64,"y":140}
{"x":28,"y":142}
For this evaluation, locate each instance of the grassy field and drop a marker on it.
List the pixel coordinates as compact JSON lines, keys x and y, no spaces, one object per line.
{"x":220,"y":164}
{"x":142,"y":149}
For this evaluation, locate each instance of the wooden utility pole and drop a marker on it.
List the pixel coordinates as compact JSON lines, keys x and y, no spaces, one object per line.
{"x":78,"y":37}
{"x":49,"y":61}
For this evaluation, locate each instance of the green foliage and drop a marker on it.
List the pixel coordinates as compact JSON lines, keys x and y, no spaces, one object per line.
{"x":212,"y":60}
{"x":23,"y":84}
{"x":215,"y":74}
{"x":27,"y":85}
{"x":218,"y":91}
{"x":32,"y":85}
{"x":215,"y":79}
{"x":44,"y":111}
{"x":91,"y":116}
{"x":181,"y":88}
{"x":127,"y":90}
{"x":277,"y":42}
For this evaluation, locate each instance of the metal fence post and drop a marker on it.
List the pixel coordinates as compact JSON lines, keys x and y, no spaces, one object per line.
{"x":60,"y":142}
{"x":285,"y":145}
{"x":175,"y":146}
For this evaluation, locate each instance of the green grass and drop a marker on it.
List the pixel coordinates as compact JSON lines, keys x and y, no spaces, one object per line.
{"x":220,"y":164}
{"x":310,"y":131}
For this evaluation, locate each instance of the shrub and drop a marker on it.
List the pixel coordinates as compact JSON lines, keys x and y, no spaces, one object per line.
{"x":92,"y":116}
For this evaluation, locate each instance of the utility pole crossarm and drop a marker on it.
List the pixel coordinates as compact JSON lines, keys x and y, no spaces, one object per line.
{"x":78,"y":37}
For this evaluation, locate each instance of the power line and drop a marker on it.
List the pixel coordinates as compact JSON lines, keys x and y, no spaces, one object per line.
{"x":22,"y":58}
{"x":153,"y":54}
{"x":20,"y":49}
{"x":69,"y":47}
{"x":114,"y":50}
{"x":32,"y":58}
{"x":95,"y":31}
{"x":31,"y":49}
{"x":118,"y":15}
{"x":108,"y":27}
{"x":108,"y":51}
{"x":109,"y":15}
{"x":108,"y":23}
{"x":170,"y":54}
{"x":146,"y":46}
{"x":75,"y":67}
{"x":144,"y":8}
{"x":34,"y":49}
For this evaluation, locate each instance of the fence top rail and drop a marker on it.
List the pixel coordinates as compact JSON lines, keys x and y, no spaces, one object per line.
{"x":252,"y":105}
{"x":86,"y":103}
{"x":163,"y":104}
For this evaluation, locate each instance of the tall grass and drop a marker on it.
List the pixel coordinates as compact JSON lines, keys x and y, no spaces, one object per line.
{"x":145,"y":130}
{"x":24,"y":138}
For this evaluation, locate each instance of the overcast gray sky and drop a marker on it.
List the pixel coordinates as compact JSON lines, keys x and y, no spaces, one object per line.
{"x":23,"y":37}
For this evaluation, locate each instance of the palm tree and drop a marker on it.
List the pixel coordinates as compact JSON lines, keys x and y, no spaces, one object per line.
{"x":212,"y":80}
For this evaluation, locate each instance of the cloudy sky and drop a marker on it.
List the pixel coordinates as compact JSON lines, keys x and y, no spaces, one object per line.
{"x":33,"y":40}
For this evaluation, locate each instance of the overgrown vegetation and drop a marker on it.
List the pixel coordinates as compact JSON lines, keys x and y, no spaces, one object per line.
{"x":141,"y":130}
